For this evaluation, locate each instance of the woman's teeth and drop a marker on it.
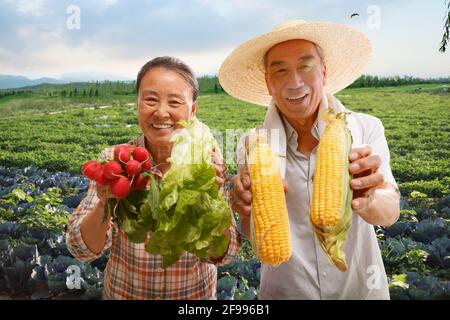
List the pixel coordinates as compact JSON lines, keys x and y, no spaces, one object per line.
{"x":162,"y":126}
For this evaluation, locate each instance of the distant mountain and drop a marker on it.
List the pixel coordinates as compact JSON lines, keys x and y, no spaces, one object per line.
{"x":12,"y":82}
{"x":85,"y":76}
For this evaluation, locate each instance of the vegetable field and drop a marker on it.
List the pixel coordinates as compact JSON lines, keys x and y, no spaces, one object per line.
{"x":45,"y":139}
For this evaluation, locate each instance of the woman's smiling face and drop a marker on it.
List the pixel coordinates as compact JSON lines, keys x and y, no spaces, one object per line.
{"x":164,"y":98}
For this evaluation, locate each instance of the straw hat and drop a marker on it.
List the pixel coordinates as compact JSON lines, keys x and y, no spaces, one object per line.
{"x":346,"y":53}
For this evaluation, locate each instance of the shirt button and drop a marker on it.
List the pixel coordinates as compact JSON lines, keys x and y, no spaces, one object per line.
{"x":324,"y":274}
{"x":158,"y":298}
{"x":160,"y":270}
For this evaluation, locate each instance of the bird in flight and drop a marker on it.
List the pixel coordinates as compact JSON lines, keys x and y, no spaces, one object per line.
{"x":354,"y":15}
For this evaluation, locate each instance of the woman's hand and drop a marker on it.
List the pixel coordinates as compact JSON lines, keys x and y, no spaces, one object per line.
{"x":103,"y":194}
{"x":220,"y":168}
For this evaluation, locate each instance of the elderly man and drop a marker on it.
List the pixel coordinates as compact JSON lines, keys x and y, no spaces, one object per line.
{"x":296,"y":69}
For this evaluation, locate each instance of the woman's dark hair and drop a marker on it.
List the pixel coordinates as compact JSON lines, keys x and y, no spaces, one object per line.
{"x":173,"y":64}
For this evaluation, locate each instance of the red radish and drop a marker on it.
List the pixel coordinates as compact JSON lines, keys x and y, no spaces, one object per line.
{"x":90,"y":168}
{"x":139,"y":182}
{"x":140,"y":154}
{"x":122,"y":153}
{"x":117,"y":150}
{"x":112,"y":170}
{"x":100,"y":177}
{"x":147,"y":165}
{"x":131,"y":148}
{"x":133,"y":168}
{"x":120,"y":188}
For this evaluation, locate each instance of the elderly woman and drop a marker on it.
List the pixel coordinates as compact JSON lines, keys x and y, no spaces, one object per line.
{"x":167,"y":91}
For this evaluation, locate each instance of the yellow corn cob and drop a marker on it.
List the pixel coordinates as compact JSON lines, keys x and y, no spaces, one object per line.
{"x":331,"y":211}
{"x":270,"y":234}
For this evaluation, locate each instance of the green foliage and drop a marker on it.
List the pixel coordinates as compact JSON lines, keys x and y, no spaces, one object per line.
{"x":398,"y":257}
{"x":436,"y":188}
{"x":375,"y":81}
{"x":44,"y":213}
{"x":46,"y":129}
{"x":418,"y":199}
{"x":192,"y":214}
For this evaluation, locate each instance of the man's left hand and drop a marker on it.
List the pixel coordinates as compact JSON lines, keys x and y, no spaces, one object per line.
{"x":366,"y":181}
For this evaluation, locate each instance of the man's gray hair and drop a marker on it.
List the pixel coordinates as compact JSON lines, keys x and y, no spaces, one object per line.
{"x":318,"y":49}
{"x":320,"y":52}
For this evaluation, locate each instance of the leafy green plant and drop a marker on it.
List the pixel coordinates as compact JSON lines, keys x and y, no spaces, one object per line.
{"x":191,"y":213}
{"x":428,"y":230}
{"x":44,"y":214}
{"x":419,"y":200}
{"x":398,"y":257}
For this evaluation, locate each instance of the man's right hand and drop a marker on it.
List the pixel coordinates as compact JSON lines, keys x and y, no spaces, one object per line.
{"x":241,"y":194}
{"x":241,"y":197}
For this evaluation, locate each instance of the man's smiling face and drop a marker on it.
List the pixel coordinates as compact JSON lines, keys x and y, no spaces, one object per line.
{"x":295,"y":77}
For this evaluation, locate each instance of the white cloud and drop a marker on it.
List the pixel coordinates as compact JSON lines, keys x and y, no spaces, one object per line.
{"x":201,"y":32}
{"x":57,"y":59}
{"x":35,"y":32}
{"x":204,"y":62}
{"x":108,"y":3}
{"x":165,"y":12}
{"x":30,"y":7}
{"x":225,"y":8}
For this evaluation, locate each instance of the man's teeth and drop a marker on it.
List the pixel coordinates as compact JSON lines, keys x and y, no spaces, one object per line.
{"x":162,"y":126}
{"x":297,"y":98}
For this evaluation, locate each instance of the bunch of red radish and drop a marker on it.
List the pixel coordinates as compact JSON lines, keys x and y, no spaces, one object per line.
{"x":124,"y":173}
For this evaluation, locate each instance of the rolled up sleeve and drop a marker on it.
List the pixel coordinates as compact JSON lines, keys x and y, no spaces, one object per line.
{"x":74,"y":240}
{"x":378,"y":142}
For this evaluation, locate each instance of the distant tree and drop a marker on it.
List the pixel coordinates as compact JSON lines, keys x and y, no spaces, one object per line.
{"x":70,"y":94}
{"x":75,"y":92}
{"x":84,"y":93}
{"x":368,"y":81}
{"x":446,"y":35}
{"x":375,"y":81}
{"x":132,"y":87}
{"x":216,"y":89}
{"x":96,"y":92}
{"x":91,"y":92}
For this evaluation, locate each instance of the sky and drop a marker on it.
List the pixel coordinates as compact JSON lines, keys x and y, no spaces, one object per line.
{"x":114,"y":38}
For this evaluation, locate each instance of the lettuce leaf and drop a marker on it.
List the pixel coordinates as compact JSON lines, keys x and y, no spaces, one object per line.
{"x":192,"y":214}
{"x":128,"y":214}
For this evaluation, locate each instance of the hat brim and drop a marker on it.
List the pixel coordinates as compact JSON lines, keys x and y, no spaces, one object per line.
{"x":346,"y":51}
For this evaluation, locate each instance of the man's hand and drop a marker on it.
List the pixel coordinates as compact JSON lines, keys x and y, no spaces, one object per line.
{"x":241,"y":198}
{"x":241,"y":194}
{"x":373,"y":199}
